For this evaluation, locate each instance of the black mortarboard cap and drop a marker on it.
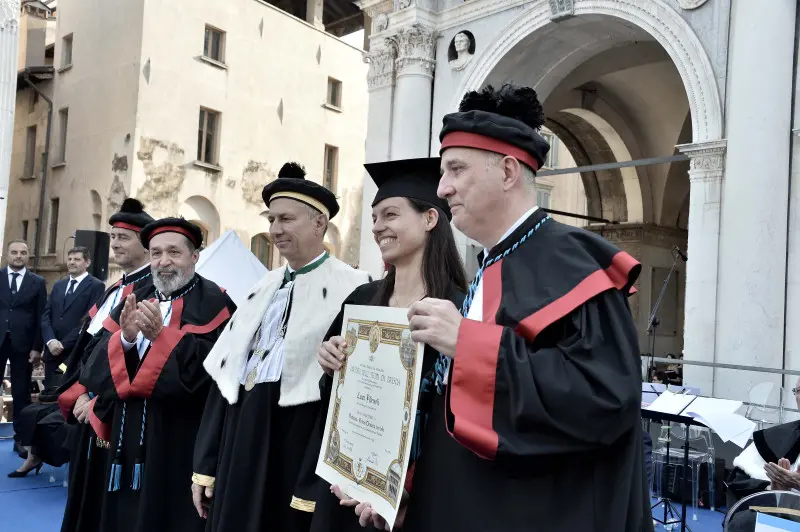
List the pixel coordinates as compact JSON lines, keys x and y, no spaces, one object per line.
{"x":408,"y":178}
{"x":504,"y":121}
{"x":172,"y":225}
{"x":130,"y":216}
{"x":292,"y":184}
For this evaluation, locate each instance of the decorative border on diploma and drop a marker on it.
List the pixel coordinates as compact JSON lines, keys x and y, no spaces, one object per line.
{"x":385,"y":484}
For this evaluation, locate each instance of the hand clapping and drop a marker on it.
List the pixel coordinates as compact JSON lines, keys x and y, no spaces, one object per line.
{"x":149,"y":319}
{"x":781,"y":475}
{"x":144,"y":317}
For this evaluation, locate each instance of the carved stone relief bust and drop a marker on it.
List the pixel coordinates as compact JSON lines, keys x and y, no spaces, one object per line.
{"x":461,"y":50}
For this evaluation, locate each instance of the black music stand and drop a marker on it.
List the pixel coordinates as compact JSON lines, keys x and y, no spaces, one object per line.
{"x":653,"y":322}
{"x":669,"y":508}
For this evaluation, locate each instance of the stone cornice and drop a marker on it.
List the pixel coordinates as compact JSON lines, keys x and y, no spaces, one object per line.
{"x":637,"y":233}
{"x":705,"y":158}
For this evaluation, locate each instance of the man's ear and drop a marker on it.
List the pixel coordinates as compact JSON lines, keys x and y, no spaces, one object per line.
{"x":512,"y":172}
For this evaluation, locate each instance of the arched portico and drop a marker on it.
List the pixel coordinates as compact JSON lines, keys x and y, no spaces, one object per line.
{"x":629,"y":19}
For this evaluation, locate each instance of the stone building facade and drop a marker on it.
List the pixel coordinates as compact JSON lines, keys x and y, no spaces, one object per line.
{"x":192,"y":111}
{"x":713,"y":81}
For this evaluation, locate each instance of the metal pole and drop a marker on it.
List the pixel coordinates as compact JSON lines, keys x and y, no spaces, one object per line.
{"x":613,"y":166}
{"x":43,"y":186}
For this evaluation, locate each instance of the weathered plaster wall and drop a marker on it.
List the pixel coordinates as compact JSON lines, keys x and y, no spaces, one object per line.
{"x":270,"y":96}
{"x":100,"y":90}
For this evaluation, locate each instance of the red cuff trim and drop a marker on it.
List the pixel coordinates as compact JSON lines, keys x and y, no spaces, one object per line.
{"x":116,"y":363}
{"x":615,"y":276}
{"x":130,"y":227}
{"x":472,"y":386}
{"x":110,"y":325}
{"x":93,"y":311}
{"x":103,"y":430}
{"x":68,"y":398}
{"x":463,"y":139}
{"x":223,"y":315}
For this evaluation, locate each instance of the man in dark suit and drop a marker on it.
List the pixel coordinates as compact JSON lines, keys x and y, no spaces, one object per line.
{"x":23,"y":297}
{"x":70,"y":300}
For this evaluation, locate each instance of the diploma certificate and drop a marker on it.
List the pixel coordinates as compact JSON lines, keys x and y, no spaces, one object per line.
{"x":372,"y":410}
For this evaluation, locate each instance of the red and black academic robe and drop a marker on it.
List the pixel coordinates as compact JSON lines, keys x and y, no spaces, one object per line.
{"x":88,"y":456}
{"x":149,"y":410}
{"x":539,"y":428}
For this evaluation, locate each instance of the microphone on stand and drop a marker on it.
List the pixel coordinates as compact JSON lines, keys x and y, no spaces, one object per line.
{"x":680,"y":253}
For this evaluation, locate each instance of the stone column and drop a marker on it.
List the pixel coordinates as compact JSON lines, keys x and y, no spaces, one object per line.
{"x":752,"y":251}
{"x":9,"y":43}
{"x":793,"y":275}
{"x":706,"y":169}
{"x":380,"y":83}
{"x":416,"y":46}
{"x":314,"y":11}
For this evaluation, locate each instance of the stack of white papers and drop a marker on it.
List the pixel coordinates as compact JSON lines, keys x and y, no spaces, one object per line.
{"x":717,"y":414}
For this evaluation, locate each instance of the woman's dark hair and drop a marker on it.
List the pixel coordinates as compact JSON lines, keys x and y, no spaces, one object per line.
{"x":441,"y":263}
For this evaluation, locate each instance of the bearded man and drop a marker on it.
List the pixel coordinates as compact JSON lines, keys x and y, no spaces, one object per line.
{"x":150,"y":385}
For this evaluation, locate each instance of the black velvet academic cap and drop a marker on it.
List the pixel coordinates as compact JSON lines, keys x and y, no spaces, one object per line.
{"x":292,"y":184}
{"x":130,"y":216}
{"x":172,"y":225}
{"x":415,"y":179}
{"x":504,"y":121}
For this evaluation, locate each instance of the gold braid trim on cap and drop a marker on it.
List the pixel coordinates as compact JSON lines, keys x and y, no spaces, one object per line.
{"x":203,"y":480}
{"x":305,"y":199}
{"x":302,"y":505}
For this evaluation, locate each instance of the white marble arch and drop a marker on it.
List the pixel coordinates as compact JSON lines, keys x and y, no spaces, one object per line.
{"x":655,"y":17}
{"x":630,"y":179}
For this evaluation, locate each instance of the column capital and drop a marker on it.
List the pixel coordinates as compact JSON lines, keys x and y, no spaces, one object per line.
{"x":416,"y":49}
{"x":381,"y":67}
{"x":706,"y":159}
{"x":9,"y":15}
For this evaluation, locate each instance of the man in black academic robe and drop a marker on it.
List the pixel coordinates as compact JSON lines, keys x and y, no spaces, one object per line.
{"x":150,"y":385}
{"x":88,"y":453}
{"x":538,"y":385}
{"x":265,"y":399}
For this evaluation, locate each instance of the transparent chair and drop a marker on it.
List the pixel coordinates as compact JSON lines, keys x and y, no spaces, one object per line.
{"x":701,"y":451}
{"x":780,"y":504}
{"x":765,"y":404}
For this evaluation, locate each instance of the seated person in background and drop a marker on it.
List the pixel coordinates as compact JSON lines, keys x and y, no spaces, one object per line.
{"x":659,"y":377}
{"x":769,"y":462}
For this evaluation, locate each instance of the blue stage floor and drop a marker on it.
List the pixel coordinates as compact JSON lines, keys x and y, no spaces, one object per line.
{"x":35,"y":504}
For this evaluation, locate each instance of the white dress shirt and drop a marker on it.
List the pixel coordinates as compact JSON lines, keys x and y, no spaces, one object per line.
{"x":77,"y":280}
{"x":475,"y":311}
{"x":19,"y":279}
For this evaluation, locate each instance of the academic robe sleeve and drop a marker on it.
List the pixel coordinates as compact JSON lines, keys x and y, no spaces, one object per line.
{"x":209,"y":436}
{"x":575,"y":388}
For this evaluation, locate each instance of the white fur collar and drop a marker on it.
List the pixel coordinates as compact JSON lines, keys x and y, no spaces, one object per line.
{"x":318,"y":296}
